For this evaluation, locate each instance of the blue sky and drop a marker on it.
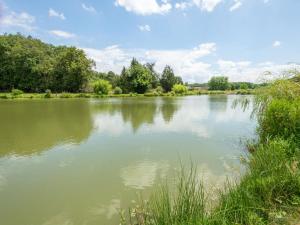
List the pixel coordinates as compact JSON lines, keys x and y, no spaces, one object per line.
{"x":198,"y":38}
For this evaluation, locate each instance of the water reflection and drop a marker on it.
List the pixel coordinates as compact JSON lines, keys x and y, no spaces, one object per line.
{"x":218,"y":103}
{"x":136,"y":111}
{"x":33,"y":126}
{"x":143,"y":174}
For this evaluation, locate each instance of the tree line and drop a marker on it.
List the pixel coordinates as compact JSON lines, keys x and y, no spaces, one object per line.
{"x":30,"y":65}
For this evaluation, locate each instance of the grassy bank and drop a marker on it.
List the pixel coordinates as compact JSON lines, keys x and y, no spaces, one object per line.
{"x":269,"y":191}
{"x":92,"y":95}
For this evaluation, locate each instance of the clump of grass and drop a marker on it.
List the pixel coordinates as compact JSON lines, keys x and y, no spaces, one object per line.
{"x":184,"y":205}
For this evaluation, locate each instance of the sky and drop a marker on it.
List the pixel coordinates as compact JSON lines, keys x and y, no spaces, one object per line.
{"x":198,"y":38}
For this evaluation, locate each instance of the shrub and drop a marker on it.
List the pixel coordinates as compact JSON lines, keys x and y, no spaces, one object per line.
{"x":179,"y":89}
{"x":65,"y":95}
{"x":101,"y":87}
{"x":16,"y":92}
{"x":281,"y":118}
{"x":47,"y":93}
{"x":118,"y":91}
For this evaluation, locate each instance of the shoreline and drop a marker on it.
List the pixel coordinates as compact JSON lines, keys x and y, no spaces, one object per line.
{"x":11,"y":96}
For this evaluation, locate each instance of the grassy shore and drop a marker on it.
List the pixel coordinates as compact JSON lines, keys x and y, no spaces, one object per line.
{"x":269,"y":191}
{"x":92,"y":95}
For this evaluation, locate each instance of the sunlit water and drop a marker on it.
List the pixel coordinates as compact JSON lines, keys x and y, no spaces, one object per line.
{"x":78,"y":161}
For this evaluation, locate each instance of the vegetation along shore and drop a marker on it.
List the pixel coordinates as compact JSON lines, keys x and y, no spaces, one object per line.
{"x":30,"y":68}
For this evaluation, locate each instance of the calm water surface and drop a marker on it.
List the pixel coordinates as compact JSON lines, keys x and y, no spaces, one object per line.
{"x":77,"y":161}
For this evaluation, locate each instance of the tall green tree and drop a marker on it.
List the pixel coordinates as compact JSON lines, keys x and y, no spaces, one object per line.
{"x":168,"y":79}
{"x":218,"y":83}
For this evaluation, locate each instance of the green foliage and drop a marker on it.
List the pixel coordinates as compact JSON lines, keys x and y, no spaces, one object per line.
{"x":33,"y":66}
{"x":179,"y":89}
{"x":218,"y":83}
{"x":168,"y":79}
{"x":118,"y":91}
{"x":16,"y":92}
{"x":102,"y":87}
{"x":281,"y":118}
{"x":48,"y":93}
{"x":137,"y":78}
{"x":244,"y":86}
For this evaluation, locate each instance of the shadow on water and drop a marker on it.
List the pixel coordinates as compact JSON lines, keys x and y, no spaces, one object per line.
{"x":40,"y":125}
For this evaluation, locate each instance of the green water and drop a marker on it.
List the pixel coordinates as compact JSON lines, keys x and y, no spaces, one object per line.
{"x":77,"y":161}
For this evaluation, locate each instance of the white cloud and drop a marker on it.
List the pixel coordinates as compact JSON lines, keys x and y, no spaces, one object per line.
{"x":62,"y":34}
{"x":207,"y":5}
{"x":143,"y":28}
{"x":185,"y":62}
{"x":53,"y":13}
{"x":182,"y":5}
{"x":22,"y":20}
{"x":276,"y":44}
{"x":88,"y":8}
{"x":237,"y":4}
{"x":144,"y":7}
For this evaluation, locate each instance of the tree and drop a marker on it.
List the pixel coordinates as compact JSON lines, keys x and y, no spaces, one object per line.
{"x":168,"y":79}
{"x":102,"y":87}
{"x":137,"y":78}
{"x":179,"y":89}
{"x":218,"y":83}
{"x":30,"y":65}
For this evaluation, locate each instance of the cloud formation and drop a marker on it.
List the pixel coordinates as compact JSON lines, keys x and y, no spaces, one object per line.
{"x":19,"y":20}
{"x":62,"y":34}
{"x":191,"y":64}
{"x":144,"y":7}
{"x":53,"y":13}
{"x":89,"y":8}
{"x":144,"y":28}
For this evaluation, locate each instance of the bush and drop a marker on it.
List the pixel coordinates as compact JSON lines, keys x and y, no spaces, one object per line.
{"x":118,"y":91}
{"x":179,"y":89}
{"x":102,"y":87}
{"x":281,"y":119}
{"x":65,"y":95}
{"x":16,"y":92}
{"x":47,"y":93}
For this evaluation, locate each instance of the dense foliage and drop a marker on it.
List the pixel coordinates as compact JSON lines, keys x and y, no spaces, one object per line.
{"x":179,"y":89}
{"x":218,"y":83}
{"x":33,"y":66}
{"x":102,"y":87}
{"x":168,"y":79}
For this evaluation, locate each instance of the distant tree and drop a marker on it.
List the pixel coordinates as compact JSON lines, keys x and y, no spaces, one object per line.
{"x":244,"y":86}
{"x":33,"y":66}
{"x":154,"y":75}
{"x":179,"y":89}
{"x":102,"y":87}
{"x":218,"y":83}
{"x":168,"y":79}
{"x":137,"y":78}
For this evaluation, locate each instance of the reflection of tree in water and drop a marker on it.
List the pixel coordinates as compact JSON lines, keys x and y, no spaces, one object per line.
{"x":31,"y":127}
{"x":168,"y":108}
{"x":139,"y":111}
{"x":218,"y":103}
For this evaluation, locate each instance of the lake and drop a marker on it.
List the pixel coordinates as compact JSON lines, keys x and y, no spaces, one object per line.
{"x":78,"y":161}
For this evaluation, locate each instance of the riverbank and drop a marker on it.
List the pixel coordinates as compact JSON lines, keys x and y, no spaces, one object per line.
{"x":92,"y":95}
{"x":268,"y":193}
